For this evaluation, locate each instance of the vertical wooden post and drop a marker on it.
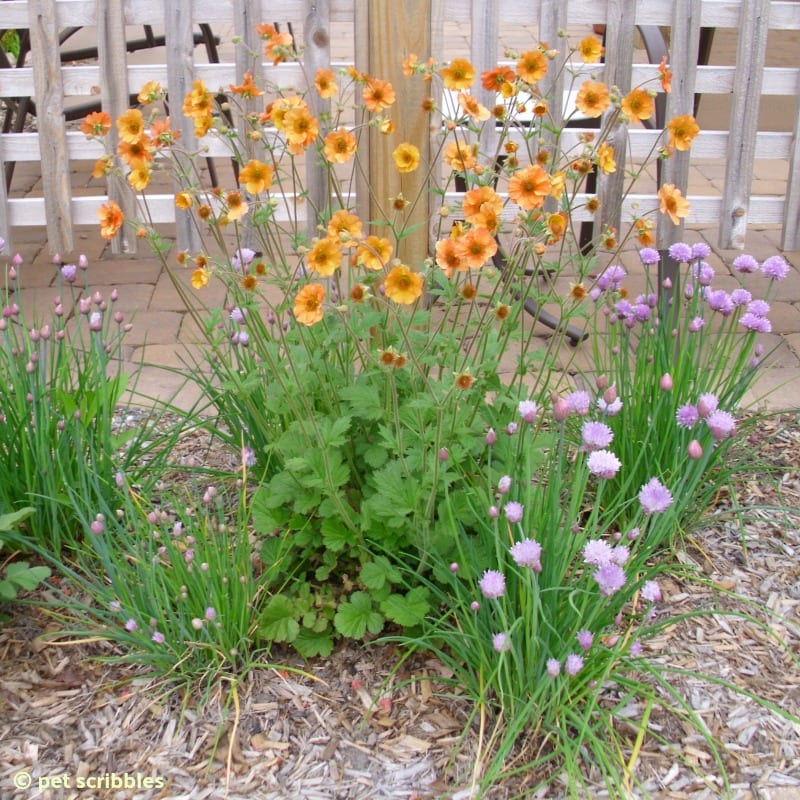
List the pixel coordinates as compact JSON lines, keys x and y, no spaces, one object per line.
{"x":391,"y":38}
{"x":5,"y":222}
{"x":317,"y":39}
{"x":114,"y":93}
{"x":620,"y":30}
{"x":180,"y":75}
{"x":49,"y":90}
{"x":684,"y":45}
{"x":485,"y":32}
{"x":750,"y":54}
{"x":790,"y":236}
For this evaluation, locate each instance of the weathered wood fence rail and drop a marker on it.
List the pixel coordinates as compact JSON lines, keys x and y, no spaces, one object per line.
{"x":373,"y":43}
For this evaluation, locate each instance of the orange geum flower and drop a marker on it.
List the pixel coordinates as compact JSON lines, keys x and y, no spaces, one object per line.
{"x":199,"y":102}
{"x":528,"y":187}
{"x":378,"y":95}
{"x":644,"y":232}
{"x":98,"y":123}
{"x":276,"y":112}
{"x":150,"y":93}
{"x":324,"y":257}
{"x":498,"y":78}
{"x":557,"y":225}
{"x":374,"y":253}
{"x":184,"y":200}
{"x":339,"y":146}
{"x":406,"y":157}
{"x":256,"y":176}
{"x":277,"y":45}
{"x":403,"y":286}
{"x":135,"y":154}
{"x":464,"y":380}
{"x":103,"y":166}
{"x":200,"y":278}
{"x":237,"y":208}
{"x":308,"y":308}
{"x":460,"y":156}
{"x":161,"y":135}
{"x":591,"y":50}
{"x":450,"y":257}
{"x":532,"y":66}
{"x":673,"y":203}
{"x":325,"y":81}
{"x":638,"y":104}
{"x":459,"y":75}
{"x":682,"y":131}
{"x":666,"y":75}
{"x":301,"y":130}
{"x":409,"y":65}
{"x":247,"y":88}
{"x":605,"y":158}
{"x":111,"y":219}
{"x":470,"y":106}
{"x":130,"y":126}
{"x":477,"y":246}
{"x":345,"y":227}
{"x":139,"y":178}
{"x":593,"y":98}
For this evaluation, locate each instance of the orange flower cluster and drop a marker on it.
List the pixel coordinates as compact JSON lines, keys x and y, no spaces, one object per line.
{"x":199,"y":105}
{"x":277,"y":46}
{"x":292,"y":116}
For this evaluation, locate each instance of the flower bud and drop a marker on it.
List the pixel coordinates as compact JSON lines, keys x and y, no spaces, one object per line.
{"x":694,"y":449}
{"x":666,"y":382}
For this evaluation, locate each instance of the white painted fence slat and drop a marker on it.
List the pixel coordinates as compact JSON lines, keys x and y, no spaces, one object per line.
{"x":753,"y":28}
{"x":483,"y":54}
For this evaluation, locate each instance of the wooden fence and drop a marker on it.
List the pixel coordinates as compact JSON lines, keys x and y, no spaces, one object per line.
{"x":379,"y":39}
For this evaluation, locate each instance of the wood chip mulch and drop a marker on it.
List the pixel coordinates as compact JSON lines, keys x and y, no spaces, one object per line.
{"x":349,"y":734}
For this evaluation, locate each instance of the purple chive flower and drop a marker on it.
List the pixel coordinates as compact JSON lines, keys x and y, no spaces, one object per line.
{"x":248,"y":456}
{"x":527,"y":553}
{"x":655,"y":497}
{"x":611,"y":277}
{"x":573,"y":664}
{"x":475,"y":605}
{"x":775,"y":267}
{"x":620,"y":555}
{"x":242,"y":258}
{"x":511,"y":428}
{"x":115,"y":605}
{"x":131,"y":625}
{"x":641,"y":311}
{"x":741,"y":297}
{"x":758,"y":307}
{"x":491,"y":437}
{"x":610,"y":578}
{"x":636,"y":649}
{"x":706,"y":404}
{"x":752,"y":322}
{"x":500,"y":642}
{"x":513,"y":512}
{"x":598,"y":552}
{"x":553,"y":667}
{"x":694,"y":450}
{"x":237,"y":316}
{"x":651,"y":592}
{"x":721,"y":424}
{"x":585,"y":639}
{"x":745,"y":263}
{"x":719,"y":300}
{"x":701,"y":250}
{"x":561,"y":409}
{"x":211,"y":613}
{"x":527,"y":410}
{"x":687,"y":416}
{"x":603,"y":463}
{"x":596,"y":435}
{"x":492,"y":584}
{"x":96,"y":321}
{"x":623,"y":308}
{"x":696,"y":324}
{"x":609,"y":408}
{"x":69,"y":272}
{"x":494,"y":512}
{"x":704,"y":273}
{"x":680,"y":252}
{"x":580,"y":402}
{"x":158,"y":637}
{"x":649,"y":256}
{"x":504,"y":484}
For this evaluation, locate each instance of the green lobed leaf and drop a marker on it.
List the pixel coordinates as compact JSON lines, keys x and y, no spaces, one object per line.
{"x":357,"y":616}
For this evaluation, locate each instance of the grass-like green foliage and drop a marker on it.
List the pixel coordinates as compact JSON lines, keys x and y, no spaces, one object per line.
{"x":62,"y":387}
